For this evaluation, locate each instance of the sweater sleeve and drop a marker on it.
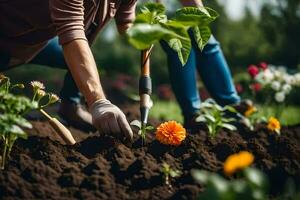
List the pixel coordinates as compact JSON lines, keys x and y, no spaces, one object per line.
{"x":126,"y":12}
{"x":68,"y":17}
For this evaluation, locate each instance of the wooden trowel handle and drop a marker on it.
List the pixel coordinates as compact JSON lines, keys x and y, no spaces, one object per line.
{"x":63,"y":132}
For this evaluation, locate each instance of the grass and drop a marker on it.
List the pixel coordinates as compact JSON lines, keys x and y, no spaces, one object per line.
{"x":169,"y":110}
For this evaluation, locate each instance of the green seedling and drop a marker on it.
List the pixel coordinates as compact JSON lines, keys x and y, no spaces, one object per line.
{"x":12,"y":122}
{"x":143,"y":129}
{"x":169,"y":173}
{"x":215,"y":117}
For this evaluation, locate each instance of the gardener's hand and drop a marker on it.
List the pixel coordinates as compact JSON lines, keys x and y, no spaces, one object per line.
{"x":109,"y":119}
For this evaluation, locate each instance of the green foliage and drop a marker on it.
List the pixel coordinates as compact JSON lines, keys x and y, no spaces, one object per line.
{"x":169,"y":172}
{"x":214,"y":116}
{"x":152,"y":25}
{"x":252,"y":185}
{"x":143,"y":129}
{"x":12,"y":122}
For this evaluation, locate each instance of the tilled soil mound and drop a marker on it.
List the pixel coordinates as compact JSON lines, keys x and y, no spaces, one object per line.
{"x":103,"y":168}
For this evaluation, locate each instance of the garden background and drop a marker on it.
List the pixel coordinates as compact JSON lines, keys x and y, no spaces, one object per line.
{"x":265,"y":33}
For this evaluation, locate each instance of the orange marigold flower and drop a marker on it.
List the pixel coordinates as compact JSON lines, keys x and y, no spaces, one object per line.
{"x":250,"y":111}
{"x":237,"y":162}
{"x":274,"y":125}
{"x":170,"y":133}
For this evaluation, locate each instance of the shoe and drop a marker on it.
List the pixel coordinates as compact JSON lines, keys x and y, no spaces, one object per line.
{"x":191,"y":124}
{"x":75,"y":114}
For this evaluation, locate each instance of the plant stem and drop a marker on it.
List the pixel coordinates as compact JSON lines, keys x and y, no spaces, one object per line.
{"x":4,"y":155}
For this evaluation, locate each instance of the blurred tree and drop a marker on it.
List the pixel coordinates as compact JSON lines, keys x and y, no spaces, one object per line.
{"x":280,"y":22}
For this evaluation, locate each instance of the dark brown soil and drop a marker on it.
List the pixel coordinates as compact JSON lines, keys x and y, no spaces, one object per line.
{"x":103,"y":168}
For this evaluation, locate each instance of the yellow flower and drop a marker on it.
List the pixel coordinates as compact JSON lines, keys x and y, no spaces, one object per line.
{"x":170,"y":133}
{"x":274,"y":125}
{"x":250,"y":111}
{"x":237,"y":162}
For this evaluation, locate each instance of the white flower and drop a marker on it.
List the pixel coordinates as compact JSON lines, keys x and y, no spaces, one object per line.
{"x":275,"y":85}
{"x":286,"y":88}
{"x":288,"y":78}
{"x":37,"y":85}
{"x":278,"y":74}
{"x":279,"y":97}
{"x":297,"y":79}
{"x":268,"y":76}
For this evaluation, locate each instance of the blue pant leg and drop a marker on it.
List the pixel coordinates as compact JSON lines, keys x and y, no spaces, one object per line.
{"x":215,"y":73}
{"x":52,"y":56}
{"x":183,"y":81}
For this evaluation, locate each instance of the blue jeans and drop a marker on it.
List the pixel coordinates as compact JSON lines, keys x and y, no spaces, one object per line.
{"x":213,"y":70}
{"x":52,"y":56}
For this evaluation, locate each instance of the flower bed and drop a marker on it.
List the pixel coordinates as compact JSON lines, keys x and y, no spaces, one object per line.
{"x":101,"y":167}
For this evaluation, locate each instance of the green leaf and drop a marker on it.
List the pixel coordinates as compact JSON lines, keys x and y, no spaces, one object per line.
{"x":136,"y":123}
{"x":229,"y":126}
{"x":210,"y":117}
{"x":256,"y":177}
{"x":195,"y":16}
{"x":153,"y":8}
{"x":202,"y":35}
{"x":200,"y":118}
{"x":230,"y":109}
{"x":143,"y":35}
{"x":149,"y":128}
{"x":175,"y":173}
{"x":179,"y":41}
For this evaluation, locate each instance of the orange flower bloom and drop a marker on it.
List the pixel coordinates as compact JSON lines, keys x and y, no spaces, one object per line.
{"x":237,"y":162}
{"x":170,"y":133}
{"x":274,"y":125}
{"x":250,"y":111}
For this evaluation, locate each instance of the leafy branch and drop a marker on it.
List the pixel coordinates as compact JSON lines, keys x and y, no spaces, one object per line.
{"x":152,"y":25}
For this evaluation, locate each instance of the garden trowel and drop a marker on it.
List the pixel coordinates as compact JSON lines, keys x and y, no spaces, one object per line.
{"x":145,"y":87}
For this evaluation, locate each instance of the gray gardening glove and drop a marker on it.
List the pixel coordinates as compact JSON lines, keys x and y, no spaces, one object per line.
{"x":109,"y":119}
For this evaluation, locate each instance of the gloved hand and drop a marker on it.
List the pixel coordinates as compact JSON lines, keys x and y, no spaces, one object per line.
{"x":109,"y":119}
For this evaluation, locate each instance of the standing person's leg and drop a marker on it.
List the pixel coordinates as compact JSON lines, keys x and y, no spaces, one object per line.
{"x":70,"y":108}
{"x":215,"y":73}
{"x":183,"y":82}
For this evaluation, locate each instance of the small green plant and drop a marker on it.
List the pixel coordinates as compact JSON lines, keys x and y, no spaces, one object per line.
{"x":12,"y":122}
{"x":152,"y":25}
{"x":215,"y":117}
{"x":143,"y":129}
{"x":253,"y":117}
{"x":168,"y":173}
{"x":252,"y":185}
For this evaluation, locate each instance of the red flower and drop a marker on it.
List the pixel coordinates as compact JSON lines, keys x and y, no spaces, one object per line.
{"x":239,"y":88}
{"x":255,"y":87}
{"x":253,"y":70}
{"x":263,"y":65}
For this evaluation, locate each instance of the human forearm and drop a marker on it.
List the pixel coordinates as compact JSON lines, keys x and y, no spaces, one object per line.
{"x":197,"y":3}
{"x":83,"y":69}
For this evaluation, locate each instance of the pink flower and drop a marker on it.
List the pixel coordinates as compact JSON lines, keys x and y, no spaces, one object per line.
{"x":253,"y":70}
{"x":255,"y":87}
{"x":263,"y":65}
